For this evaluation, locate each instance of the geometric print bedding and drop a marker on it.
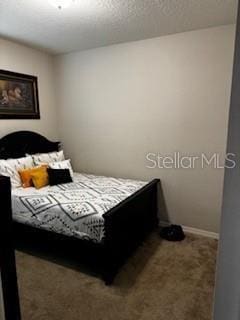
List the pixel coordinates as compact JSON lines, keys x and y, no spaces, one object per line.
{"x":73,"y":209}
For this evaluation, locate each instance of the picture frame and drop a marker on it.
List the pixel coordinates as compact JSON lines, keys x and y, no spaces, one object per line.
{"x":18,"y":96}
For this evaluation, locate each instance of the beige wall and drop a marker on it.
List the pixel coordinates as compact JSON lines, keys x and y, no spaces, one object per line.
{"x":166,"y":94}
{"x":18,"y":58}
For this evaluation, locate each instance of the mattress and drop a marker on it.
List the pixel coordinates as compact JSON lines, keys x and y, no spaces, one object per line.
{"x":73,"y":209}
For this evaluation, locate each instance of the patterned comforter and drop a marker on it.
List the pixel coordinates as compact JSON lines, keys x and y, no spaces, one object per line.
{"x":74,"y":209}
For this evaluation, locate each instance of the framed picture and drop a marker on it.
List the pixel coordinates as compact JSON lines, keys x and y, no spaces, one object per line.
{"x":18,"y":96}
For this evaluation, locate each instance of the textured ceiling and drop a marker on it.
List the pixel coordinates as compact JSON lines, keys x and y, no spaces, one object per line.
{"x":94,"y":23}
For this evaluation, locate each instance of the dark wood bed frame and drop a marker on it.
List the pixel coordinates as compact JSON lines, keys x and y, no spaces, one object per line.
{"x":126,"y":225}
{"x":8,"y":272}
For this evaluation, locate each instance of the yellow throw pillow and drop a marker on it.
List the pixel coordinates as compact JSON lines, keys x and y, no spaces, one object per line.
{"x":26,"y":178}
{"x":40,"y":177}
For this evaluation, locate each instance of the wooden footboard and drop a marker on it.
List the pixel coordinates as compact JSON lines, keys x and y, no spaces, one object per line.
{"x":126,"y":226}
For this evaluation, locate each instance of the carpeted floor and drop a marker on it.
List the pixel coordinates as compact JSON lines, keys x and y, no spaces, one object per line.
{"x":162,"y":281}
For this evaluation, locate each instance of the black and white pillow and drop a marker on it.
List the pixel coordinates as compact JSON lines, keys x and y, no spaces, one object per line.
{"x":10,"y":168}
{"x":59,"y":176}
{"x":66,"y":164}
{"x":48,"y":157}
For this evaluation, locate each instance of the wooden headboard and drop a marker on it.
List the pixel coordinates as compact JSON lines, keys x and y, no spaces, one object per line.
{"x":17,"y":144}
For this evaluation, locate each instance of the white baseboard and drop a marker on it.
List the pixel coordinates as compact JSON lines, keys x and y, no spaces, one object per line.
{"x":199,"y":232}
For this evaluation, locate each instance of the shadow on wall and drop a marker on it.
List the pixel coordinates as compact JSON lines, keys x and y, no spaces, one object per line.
{"x":162,"y":206}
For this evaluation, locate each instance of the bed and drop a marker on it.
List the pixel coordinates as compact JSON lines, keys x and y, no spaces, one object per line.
{"x":116,"y":214}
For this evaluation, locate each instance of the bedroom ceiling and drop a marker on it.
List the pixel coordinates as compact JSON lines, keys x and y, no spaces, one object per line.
{"x":89,"y":24}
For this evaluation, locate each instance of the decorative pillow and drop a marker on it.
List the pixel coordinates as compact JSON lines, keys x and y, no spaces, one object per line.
{"x":48,"y":157}
{"x":59,"y":176}
{"x":21,"y":163}
{"x":40,"y":177}
{"x":10,"y":168}
{"x":8,"y":171}
{"x":66,"y":164}
{"x":26,"y":178}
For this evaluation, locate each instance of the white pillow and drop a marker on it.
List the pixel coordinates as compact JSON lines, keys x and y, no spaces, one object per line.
{"x":10,"y":168}
{"x":66,"y":164}
{"x":8,"y":171}
{"x":48,"y":157}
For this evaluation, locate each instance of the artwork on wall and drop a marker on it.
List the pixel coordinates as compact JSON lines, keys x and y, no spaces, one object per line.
{"x":18,"y":96}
